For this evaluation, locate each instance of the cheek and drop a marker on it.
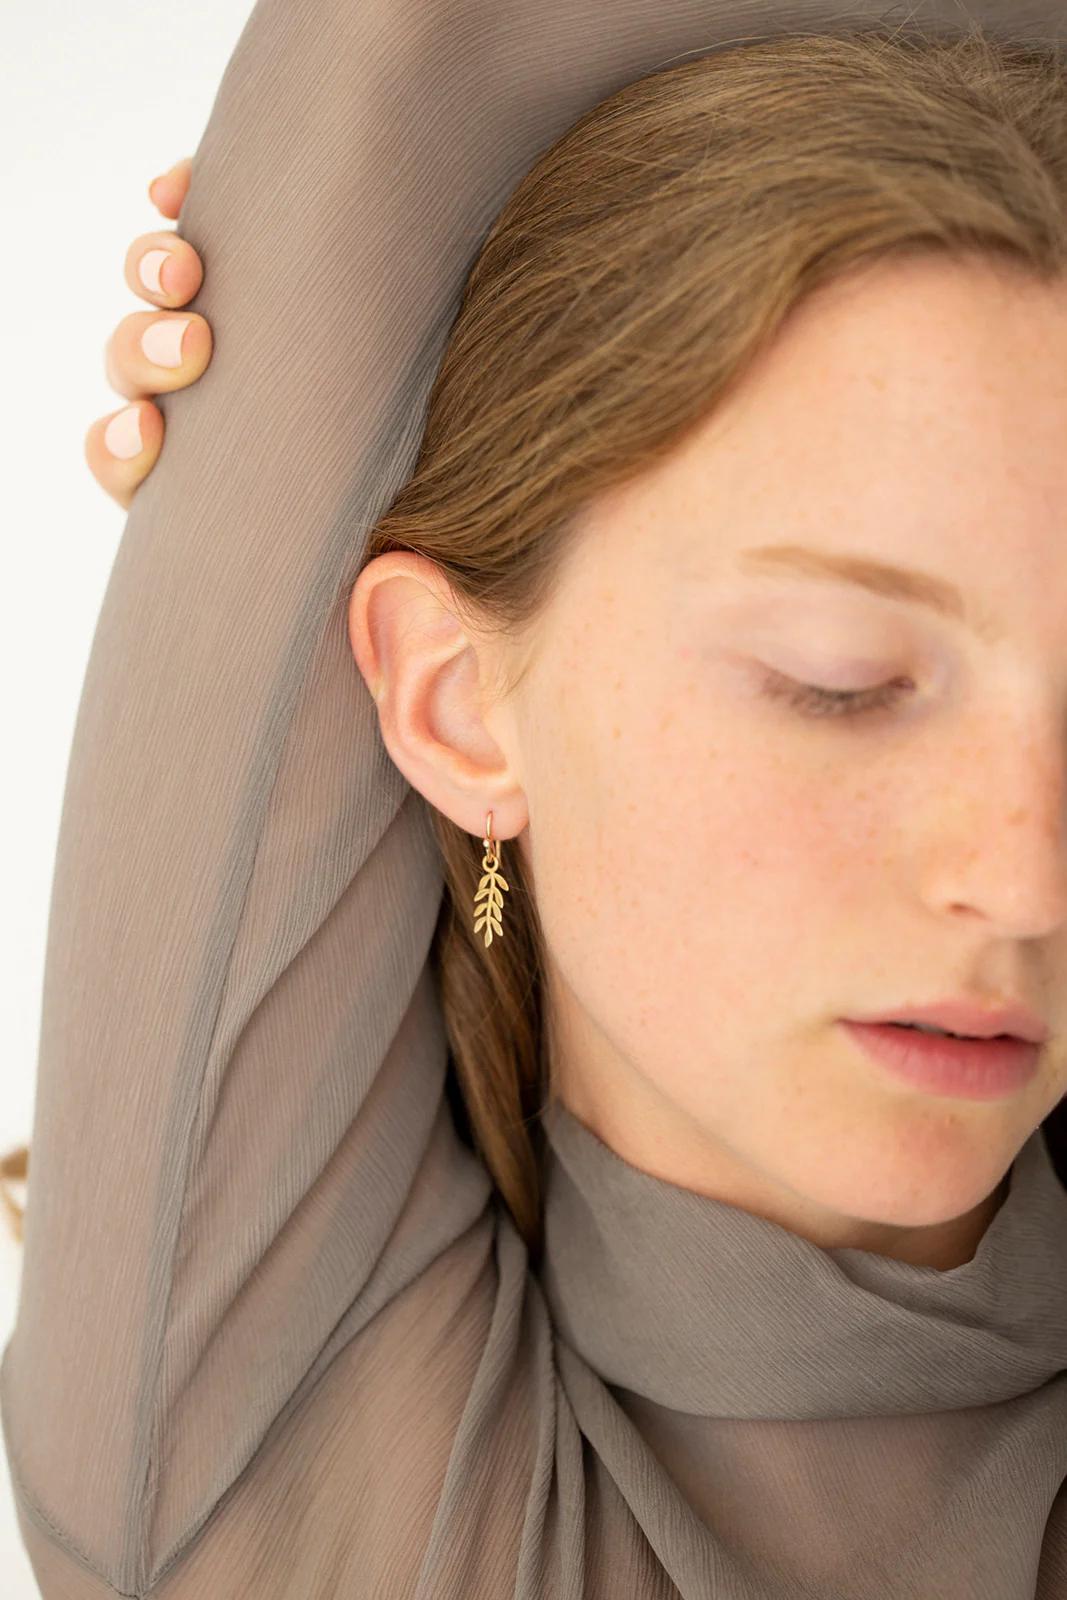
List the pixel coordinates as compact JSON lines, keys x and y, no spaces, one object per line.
{"x":696,"y":862}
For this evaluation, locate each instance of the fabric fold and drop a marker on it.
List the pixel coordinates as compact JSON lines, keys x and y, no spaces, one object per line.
{"x":701,"y":1306}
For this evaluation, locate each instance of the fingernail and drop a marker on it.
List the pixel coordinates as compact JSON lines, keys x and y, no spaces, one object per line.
{"x":149,"y":268}
{"x":123,"y":433}
{"x":162,"y":341}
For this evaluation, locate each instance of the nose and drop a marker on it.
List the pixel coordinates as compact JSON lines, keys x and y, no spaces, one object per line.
{"x":1003,"y":842}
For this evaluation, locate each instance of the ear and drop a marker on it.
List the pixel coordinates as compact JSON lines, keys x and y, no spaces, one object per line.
{"x":431,"y":676}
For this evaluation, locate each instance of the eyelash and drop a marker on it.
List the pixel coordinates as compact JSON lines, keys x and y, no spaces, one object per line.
{"x":812,"y":701}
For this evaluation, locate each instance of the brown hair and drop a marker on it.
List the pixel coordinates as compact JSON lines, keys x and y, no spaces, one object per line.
{"x":631,"y":279}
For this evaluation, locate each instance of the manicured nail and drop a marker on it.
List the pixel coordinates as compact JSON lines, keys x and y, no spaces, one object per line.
{"x":162,"y":341}
{"x":123,"y":433}
{"x":149,"y":268}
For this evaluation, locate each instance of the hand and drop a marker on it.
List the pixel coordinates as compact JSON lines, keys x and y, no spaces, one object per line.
{"x":112,"y":452}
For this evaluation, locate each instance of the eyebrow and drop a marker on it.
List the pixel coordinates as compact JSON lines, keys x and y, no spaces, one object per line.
{"x":878,"y":577}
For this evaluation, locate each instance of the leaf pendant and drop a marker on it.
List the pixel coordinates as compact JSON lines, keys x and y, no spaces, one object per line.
{"x":488,"y":915}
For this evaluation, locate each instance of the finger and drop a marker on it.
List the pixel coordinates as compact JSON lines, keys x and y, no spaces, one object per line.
{"x":122,"y":448}
{"x":164,"y":269}
{"x":168,"y":191}
{"x":179,"y":347}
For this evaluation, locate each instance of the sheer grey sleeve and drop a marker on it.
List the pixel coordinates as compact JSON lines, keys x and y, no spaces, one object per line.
{"x":241,"y":1059}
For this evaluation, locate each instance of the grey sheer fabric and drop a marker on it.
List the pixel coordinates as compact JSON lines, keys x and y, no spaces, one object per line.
{"x":276,"y":1335}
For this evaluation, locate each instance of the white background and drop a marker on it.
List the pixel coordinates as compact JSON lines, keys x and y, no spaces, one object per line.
{"x":97,"y":100}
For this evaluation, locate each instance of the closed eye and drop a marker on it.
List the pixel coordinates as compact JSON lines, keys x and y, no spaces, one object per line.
{"x":813,"y":701}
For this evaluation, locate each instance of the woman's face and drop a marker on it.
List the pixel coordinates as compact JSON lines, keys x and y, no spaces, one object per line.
{"x":722,"y":877}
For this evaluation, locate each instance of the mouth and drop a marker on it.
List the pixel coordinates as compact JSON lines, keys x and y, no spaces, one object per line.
{"x":967,"y":1017}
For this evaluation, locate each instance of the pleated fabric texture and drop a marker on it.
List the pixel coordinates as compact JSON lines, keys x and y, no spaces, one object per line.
{"x":276,"y":1335}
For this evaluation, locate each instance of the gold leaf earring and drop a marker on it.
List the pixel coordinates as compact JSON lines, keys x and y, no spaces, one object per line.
{"x":488,"y":916}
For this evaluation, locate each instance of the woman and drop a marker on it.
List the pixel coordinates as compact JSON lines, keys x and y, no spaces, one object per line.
{"x":704,"y":1272}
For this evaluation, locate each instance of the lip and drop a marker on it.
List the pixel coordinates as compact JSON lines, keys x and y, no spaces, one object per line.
{"x":971,"y":1017}
{"x":966,"y":1069}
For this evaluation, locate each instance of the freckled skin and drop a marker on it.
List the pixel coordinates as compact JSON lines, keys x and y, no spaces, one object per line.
{"x":721,"y":878}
